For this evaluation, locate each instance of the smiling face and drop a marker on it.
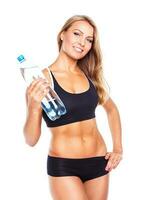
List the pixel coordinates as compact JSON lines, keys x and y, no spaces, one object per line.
{"x":77,"y":40}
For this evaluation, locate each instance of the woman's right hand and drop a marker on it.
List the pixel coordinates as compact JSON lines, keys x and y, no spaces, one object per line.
{"x":35,"y":92}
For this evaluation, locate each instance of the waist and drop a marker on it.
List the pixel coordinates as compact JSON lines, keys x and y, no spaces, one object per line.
{"x":78,"y":144}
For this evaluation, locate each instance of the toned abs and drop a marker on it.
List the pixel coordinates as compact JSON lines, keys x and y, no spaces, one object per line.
{"x":78,"y":140}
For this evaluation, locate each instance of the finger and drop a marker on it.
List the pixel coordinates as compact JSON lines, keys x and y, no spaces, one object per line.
{"x":32,"y":85}
{"x":107,"y":156}
{"x":41,"y":78}
{"x":117,"y":161}
{"x":113,"y":158}
{"x":43,"y":94}
{"x":37,"y":84}
{"x":39,"y":95}
{"x":110,"y":161}
{"x":41,"y":86}
{"x":108,"y":165}
{"x":115,"y":164}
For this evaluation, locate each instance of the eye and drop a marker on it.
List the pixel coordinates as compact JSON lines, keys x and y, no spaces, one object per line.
{"x":75,"y":33}
{"x":90,"y":41}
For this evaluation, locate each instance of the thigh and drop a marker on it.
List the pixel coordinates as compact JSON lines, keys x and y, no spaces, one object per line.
{"x":97,"y":188}
{"x":67,"y":188}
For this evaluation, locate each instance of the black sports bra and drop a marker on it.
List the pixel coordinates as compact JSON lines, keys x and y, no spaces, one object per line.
{"x":79,"y":106}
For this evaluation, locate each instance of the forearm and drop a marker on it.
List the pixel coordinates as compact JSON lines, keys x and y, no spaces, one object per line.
{"x":116,"y":130}
{"x":32,"y":127}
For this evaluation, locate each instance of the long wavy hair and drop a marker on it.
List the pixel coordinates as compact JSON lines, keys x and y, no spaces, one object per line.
{"x":91,"y":63}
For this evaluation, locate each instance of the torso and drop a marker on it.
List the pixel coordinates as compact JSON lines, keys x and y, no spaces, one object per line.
{"x":79,"y":139}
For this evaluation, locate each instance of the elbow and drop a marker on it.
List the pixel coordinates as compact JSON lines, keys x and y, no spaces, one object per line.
{"x":112,"y":110}
{"x":110,"y":107}
{"x":30,"y":143}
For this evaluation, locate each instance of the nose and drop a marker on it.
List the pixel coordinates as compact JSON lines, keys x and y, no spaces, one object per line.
{"x":82,"y":42}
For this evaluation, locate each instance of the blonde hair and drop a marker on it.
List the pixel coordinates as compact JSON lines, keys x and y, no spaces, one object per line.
{"x":91,"y":63}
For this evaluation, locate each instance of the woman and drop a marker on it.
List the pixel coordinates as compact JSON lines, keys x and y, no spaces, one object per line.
{"x":78,"y":163}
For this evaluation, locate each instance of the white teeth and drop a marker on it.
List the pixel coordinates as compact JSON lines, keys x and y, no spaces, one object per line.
{"x":77,"y":49}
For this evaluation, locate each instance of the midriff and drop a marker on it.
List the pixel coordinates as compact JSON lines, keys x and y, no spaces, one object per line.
{"x":77,"y":140}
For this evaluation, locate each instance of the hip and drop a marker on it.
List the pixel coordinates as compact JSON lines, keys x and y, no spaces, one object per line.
{"x":84,"y":168}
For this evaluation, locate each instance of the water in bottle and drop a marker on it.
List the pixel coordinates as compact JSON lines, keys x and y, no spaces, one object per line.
{"x":51,"y":103}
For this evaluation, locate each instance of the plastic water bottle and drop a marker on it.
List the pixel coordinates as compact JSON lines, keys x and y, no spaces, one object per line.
{"x":51,"y":103}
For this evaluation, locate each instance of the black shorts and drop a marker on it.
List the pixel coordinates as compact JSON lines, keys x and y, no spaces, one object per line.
{"x":84,"y":168}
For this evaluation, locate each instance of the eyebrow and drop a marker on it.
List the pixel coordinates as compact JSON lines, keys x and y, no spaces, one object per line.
{"x":82,"y":32}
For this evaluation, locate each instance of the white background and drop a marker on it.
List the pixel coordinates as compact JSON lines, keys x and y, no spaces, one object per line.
{"x":31,"y":28}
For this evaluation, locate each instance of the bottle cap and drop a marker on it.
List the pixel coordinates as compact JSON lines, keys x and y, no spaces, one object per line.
{"x":21,"y":58}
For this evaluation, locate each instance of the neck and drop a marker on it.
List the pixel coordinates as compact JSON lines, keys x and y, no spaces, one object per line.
{"x":66,"y":63}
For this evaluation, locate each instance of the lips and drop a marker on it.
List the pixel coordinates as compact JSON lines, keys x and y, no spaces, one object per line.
{"x":78,"y":49}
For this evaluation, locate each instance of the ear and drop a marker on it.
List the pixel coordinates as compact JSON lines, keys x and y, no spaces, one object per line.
{"x":62,"y":36}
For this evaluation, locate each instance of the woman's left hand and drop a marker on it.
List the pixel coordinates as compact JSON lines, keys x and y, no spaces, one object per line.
{"x":114,"y":159}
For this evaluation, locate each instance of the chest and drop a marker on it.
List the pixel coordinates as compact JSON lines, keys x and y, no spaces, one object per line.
{"x":76,"y":102}
{"x":78,"y":93}
{"x":72,"y":84}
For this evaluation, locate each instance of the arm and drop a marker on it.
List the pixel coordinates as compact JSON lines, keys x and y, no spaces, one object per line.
{"x":34,"y":95}
{"x":32,"y":126}
{"x":114,"y":124}
{"x":115,"y":127}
